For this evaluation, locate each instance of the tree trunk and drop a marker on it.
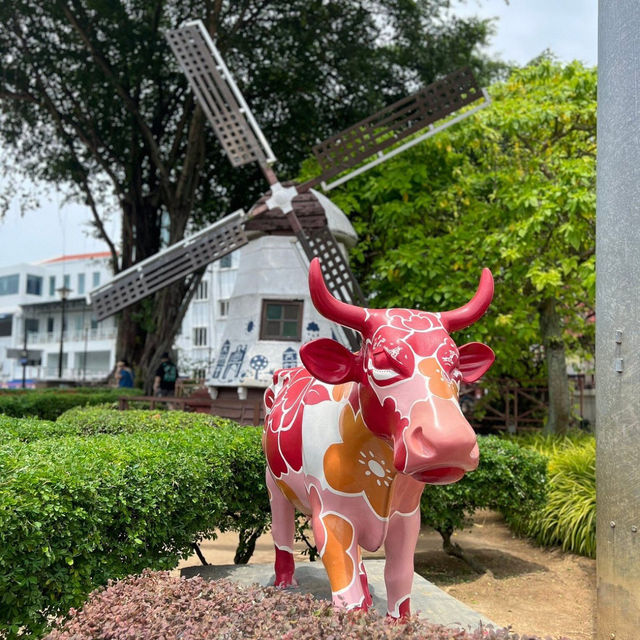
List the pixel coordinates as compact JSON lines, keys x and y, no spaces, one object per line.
{"x":559,"y":400}
{"x":247,"y":539}
{"x":455,"y":550}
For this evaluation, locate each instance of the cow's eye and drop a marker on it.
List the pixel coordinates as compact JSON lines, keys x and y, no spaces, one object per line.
{"x":386,"y":365}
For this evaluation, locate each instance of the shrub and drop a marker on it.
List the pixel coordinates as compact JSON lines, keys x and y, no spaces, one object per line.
{"x":155,"y":605}
{"x":568,"y":518}
{"x":77,"y":511}
{"x":103,"y":419}
{"x":48,"y":404}
{"x":28,"y":429}
{"x":509,"y":479}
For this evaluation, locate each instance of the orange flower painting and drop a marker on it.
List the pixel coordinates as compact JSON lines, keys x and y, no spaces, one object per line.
{"x":361,"y":463}
{"x":439,"y":383}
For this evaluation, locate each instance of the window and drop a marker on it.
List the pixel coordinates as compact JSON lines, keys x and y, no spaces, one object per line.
{"x":223,"y":308}
{"x":32,"y":325}
{"x":9,"y":285}
{"x":225,"y":261}
{"x":199,"y":374}
{"x":49,"y":325}
{"x":94,"y":323}
{"x":203,"y":291}
{"x":78,"y":322}
{"x":200,"y":336}
{"x":96,"y":279}
{"x":81,"y":283}
{"x":52,"y":285}
{"x":6,"y":322}
{"x":34,"y":285}
{"x":281,"y":320}
{"x":66,"y":280}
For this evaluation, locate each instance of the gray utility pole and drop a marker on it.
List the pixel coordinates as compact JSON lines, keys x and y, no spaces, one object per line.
{"x":618,"y":321}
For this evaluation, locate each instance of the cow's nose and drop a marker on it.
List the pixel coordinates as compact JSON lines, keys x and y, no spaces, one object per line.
{"x":453,"y":446}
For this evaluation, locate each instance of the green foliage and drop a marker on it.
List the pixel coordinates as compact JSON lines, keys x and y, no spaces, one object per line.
{"x":549,"y":444}
{"x":568,"y":518}
{"x":28,"y":429}
{"x":511,"y":188}
{"x":509,"y":479}
{"x":48,"y":404}
{"x":100,"y":419}
{"x":76,"y":511}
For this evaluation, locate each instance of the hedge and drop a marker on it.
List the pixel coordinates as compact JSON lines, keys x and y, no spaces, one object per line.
{"x":48,"y":404}
{"x":510,"y":479}
{"x":76,"y":511}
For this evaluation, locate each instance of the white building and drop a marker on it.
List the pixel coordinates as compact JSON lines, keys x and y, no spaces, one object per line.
{"x":31,"y":321}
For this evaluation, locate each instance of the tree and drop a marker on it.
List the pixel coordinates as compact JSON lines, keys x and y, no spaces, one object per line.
{"x":93,"y":100}
{"x":511,"y":188}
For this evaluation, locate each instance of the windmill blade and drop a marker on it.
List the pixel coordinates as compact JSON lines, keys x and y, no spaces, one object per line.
{"x":399,"y":121}
{"x":219,"y":96}
{"x":337,"y":274}
{"x":171,"y":264}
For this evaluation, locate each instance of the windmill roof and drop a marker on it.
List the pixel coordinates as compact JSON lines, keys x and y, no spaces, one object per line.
{"x":314,"y":211}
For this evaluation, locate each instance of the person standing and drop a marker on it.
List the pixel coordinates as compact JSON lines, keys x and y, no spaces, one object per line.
{"x":164,"y":383}
{"x":124,"y":374}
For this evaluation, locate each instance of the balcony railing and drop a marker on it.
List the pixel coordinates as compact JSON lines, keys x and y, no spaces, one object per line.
{"x":73,"y":335}
{"x":77,"y":374}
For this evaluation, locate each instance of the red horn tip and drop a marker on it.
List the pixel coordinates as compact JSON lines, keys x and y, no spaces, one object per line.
{"x":474,"y":309}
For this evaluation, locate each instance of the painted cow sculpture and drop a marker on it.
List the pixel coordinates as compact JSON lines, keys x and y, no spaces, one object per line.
{"x":352,"y":438}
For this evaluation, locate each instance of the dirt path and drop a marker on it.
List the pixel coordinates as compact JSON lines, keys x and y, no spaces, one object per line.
{"x":536,"y":591}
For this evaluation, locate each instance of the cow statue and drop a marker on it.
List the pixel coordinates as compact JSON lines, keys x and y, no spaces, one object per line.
{"x":351,"y":439}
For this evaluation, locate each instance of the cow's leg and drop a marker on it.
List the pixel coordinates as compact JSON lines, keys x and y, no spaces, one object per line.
{"x":400,"y":546}
{"x":368,"y":600}
{"x":336,"y":542}
{"x":282,"y":530}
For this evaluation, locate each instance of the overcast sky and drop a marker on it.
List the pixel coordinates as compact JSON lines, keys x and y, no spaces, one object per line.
{"x":524,"y":28}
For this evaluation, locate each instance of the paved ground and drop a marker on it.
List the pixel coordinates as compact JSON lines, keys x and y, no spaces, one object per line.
{"x":427,"y":600}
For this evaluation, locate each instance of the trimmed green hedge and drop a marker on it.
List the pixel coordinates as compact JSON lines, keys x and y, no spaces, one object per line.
{"x":76,"y":511}
{"x":48,"y":404}
{"x":510,"y":479}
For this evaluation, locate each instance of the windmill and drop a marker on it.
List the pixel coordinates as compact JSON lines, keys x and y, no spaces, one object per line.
{"x":286,"y":209}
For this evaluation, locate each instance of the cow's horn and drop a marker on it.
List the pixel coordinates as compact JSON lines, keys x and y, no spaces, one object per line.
{"x":474,"y":309}
{"x":331,"y":308}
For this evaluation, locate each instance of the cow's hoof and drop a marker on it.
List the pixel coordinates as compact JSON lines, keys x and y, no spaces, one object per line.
{"x":285,"y":582}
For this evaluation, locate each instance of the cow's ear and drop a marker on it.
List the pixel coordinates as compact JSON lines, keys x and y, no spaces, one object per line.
{"x":329,"y":361}
{"x":475,"y":360}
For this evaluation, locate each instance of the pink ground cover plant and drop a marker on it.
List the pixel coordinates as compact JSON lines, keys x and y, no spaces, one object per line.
{"x":160,"y":606}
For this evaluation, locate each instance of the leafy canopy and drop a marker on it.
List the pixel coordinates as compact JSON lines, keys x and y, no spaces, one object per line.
{"x":511,"y":188}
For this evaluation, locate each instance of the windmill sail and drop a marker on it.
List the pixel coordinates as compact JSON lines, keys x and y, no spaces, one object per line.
{"x":219,"y":96}
{"x":397,"y":122}
{"x":171,"y":264}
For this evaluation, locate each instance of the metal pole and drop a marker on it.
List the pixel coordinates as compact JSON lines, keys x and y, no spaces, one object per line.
{"x":64,"y":299}
{"x":86,"y":340}
{"x":24,"y":355}
{"x":617,"y":332}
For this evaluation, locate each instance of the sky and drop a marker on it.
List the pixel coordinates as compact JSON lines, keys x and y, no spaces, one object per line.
{"x":524,"y":29}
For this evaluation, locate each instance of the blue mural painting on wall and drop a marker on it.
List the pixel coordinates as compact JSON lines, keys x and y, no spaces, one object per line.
{"x":258,"y":363}
{"x":289,"y":358}
{"x":234,"y":363}
{"x":222,"y":358}
{"x":250,"y":325}
{"x":313,"y":331}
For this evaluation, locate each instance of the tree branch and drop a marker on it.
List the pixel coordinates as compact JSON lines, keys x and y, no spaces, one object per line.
{"x":128,"y":101}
